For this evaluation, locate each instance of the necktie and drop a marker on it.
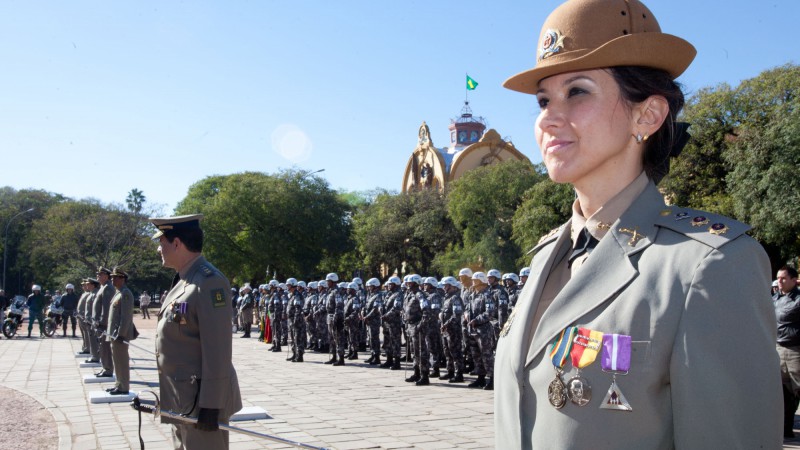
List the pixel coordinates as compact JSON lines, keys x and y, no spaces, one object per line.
{"x":584,"y":244}
{"x":175,"y":279}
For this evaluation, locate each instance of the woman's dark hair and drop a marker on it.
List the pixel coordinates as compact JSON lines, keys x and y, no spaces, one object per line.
{"x":192,"y":238}
{"x":636,"y":85}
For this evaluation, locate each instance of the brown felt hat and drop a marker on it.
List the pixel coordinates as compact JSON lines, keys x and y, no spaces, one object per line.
{"x":594,"y":34}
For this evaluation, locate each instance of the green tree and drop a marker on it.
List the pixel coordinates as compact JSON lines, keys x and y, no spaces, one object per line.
{"x":288,"y":222}
{"x":135,"y":200}
{"x":545,"y":206}
{"x":765,"y":156}
{"x":481,"y":204}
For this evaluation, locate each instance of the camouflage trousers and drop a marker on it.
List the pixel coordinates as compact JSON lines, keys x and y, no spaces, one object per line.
{"x":433,"y":339}
{"x":374,"y":330}
{"x":353,"y":335}
{"x":393,"y":343}
{"x":481,"y":345}
{"x":277,"y":329}
{"x":418,"y":333}
{"x":298,"y":333}
{"x":311,"y":329}
{"x":336,"y":335}
{"x":453,"y":351}
{"x":322,"y":330}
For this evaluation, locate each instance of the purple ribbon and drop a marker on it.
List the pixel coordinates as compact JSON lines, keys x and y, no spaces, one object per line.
{"x":616,"y":353}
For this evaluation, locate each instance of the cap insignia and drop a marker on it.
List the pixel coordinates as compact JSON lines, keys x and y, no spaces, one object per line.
{"x":552,"y":42}
{"x":699,"y":221}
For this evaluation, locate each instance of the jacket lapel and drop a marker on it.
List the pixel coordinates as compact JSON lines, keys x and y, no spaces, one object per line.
{"x":605,"y":273}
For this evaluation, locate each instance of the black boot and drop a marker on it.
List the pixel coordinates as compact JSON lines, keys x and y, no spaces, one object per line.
{"x":29,"y":333}
{"x":395,"y":365}
{"x":388,"y":363}
{"x":423,"y":381}
{"x":414,"y":378}
{"x":371,"y":358}
{"x":277,"y":349}
{"x":435,"y":372}
{"x":489,"y":384}
{"x":331,"y":361}
{"x":479,"y":383}
{"x":376,"y":360}
{"x":447,"y":376}
{"x":340,"y":361}
{"x":353,"y":355}
{"x":459,"y":378}
{"x":298,"y":359}
{"x":291,"y":358}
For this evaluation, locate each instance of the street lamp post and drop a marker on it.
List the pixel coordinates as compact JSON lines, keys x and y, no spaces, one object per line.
{"x":312,"y":173}
{"x":5,"y":243}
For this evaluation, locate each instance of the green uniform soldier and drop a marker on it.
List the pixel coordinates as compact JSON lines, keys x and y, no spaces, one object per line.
{"x":120,"y":331}
{"x":193,"y":339}
{"x":102,"y":306}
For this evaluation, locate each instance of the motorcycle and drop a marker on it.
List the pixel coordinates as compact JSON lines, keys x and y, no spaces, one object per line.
{"x":52,"y":322}
{"x":14,"y":317}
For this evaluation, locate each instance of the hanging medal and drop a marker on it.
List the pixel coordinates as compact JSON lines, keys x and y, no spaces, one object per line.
{"x":585,"y":347}
{"x":617,"y":360}
{"x":557,"y":392}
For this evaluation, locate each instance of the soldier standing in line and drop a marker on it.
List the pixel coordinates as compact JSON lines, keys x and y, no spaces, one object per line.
{"x":320,"y":317}
{"x":36,"y":304}
{"x":102,"y":306}
{"x":308,"y":315}
{"x":275,"y":308}
{"x":69,"y":301}
{"x":81,"y":315}
{"x":433,"y":334}
{"x":284,"y":317}
{"x":372,"y":319}
{"x":524,"y":273}
{"x":334,"y":306}
{"x":352,"y":313}
{"x":297,"y":322}
{"x":465,"y":276}
{"x":417,"y":315}
{"x":393,"y":318}
{"x":500,"y":297}
{"x":481,"y":313}
{"x":511,"y":282}
{"x":451,"y":316}
{"x":120,"y":331}
{"x":194,"y":340}
{"x":94,"y":342}
{"x":246,"y":310}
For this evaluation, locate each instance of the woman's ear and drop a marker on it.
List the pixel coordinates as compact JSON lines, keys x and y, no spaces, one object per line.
{"x":650,"y":114}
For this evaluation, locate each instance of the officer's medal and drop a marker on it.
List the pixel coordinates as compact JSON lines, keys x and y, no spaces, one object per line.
{"x":586,"y":346}
{"x":616,"y":359}
{"x":557,"y":391}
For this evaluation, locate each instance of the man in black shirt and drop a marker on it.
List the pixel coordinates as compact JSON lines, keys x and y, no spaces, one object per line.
{"x":787,"y":312}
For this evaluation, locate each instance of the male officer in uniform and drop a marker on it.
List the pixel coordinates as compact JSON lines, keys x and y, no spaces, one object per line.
{"x":393,"y":318}
{"x":193,"y":339}
{"x":81,"y":314}
{"x":120,"y":331}
{"x":94,"y":343}
{"x":102,"y":306}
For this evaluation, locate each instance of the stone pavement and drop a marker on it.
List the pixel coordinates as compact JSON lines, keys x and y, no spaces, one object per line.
{"x":350,"y":407}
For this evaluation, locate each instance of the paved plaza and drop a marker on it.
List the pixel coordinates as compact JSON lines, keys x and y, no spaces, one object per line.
{"x":350,"y":407}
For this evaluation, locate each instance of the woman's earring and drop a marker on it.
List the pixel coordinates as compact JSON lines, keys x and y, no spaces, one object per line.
{"x":639,"y":138}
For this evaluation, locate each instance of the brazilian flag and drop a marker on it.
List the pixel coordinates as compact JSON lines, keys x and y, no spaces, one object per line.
{"x":471,"y":84}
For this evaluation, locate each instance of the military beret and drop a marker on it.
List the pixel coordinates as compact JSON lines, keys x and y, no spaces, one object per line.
{"x":176,"y":223}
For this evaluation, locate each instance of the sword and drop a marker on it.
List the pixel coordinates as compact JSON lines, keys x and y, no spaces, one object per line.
{"x":156,"y":411}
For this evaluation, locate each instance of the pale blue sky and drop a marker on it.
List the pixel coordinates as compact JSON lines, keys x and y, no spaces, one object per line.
{"x":99,"y":97}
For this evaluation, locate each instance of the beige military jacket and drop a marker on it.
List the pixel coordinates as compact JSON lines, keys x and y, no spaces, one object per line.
{"x":81,"y":309}
{"x":704,"y":371}
{"x":102,"y":303}
{"x":120,"y":318}
{"x":194,"y":345}
{"x":89,"y":308}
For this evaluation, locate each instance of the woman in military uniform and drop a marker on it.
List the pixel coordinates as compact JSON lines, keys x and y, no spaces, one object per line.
{"x":642,"y":325}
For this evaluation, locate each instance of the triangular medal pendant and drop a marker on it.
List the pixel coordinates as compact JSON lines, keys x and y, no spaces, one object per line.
{"x":615,"y":400}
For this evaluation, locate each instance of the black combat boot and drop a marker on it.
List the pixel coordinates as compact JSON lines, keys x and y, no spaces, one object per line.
{"x":479,"y":383}
{"x":423,"y":381}
{"x":277,"y":349}
{"x":447,"y":376}
{"x":395,"y":365}
{"x":371,"y":358}
{"x":489,"y":384}
{"x":298,"y":359}
{"x":376,"y":360}
{"x":435,"y":372}
{"x":340,"y":361}
{"x":353,"y":355}
{"x":29,"y":333}
{"x":388,"y":363}
{"x":331,"y":361}
{"x":414,"y":378}
{"x":459,"y":378}
{"x":291,"y":358}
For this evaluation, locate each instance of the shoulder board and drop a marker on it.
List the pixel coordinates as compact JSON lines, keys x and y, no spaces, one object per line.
{"x":207,"y":270}
{"x":711,"y":229}
{"x":550,"y":236}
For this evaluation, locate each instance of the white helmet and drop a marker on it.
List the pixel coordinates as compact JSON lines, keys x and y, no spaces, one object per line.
{"x":282,"y":286}
{"x":374,"y":282}
{"x":450,"y":280}
{"x":525,"y":272}
{"x":342,"y":285}
{"x":273,"y":283}
{"x":394,"y":280}
{"x":302,"y":284}
{"x":511,"y":276}
{"x":332,"y":277}
{"x":352,"y":285}
{"x":358,"y":281}
{"x":432,"y":281}
{"x":36,"y":287}
{"x":414,"y":278}
{"x":69,"y":286}
{"x":291,"y":282}
{"x":466,"y":271}
{"x":480,"y":276}
{"x":494,"y":273}
{"x":312,"y":285}
{"x":322,"y":284}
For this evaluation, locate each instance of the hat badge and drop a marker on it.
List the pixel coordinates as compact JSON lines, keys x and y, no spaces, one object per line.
{"x":552,"y":42}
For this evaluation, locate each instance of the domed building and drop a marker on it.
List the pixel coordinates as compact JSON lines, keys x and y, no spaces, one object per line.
{"x":471,"y":146}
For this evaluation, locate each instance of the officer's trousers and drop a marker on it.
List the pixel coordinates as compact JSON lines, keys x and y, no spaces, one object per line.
{"x":106,"y":359}
{"x":122,"y":367}
{"x":187,"y":437}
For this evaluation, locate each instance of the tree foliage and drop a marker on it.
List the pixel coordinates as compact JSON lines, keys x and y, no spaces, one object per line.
{"x":255,"y":222}
{"x":545,"y":206}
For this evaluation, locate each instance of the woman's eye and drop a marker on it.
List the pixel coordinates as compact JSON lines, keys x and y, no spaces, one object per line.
{"x":542,"y":102}
{"x":573,"y":91}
